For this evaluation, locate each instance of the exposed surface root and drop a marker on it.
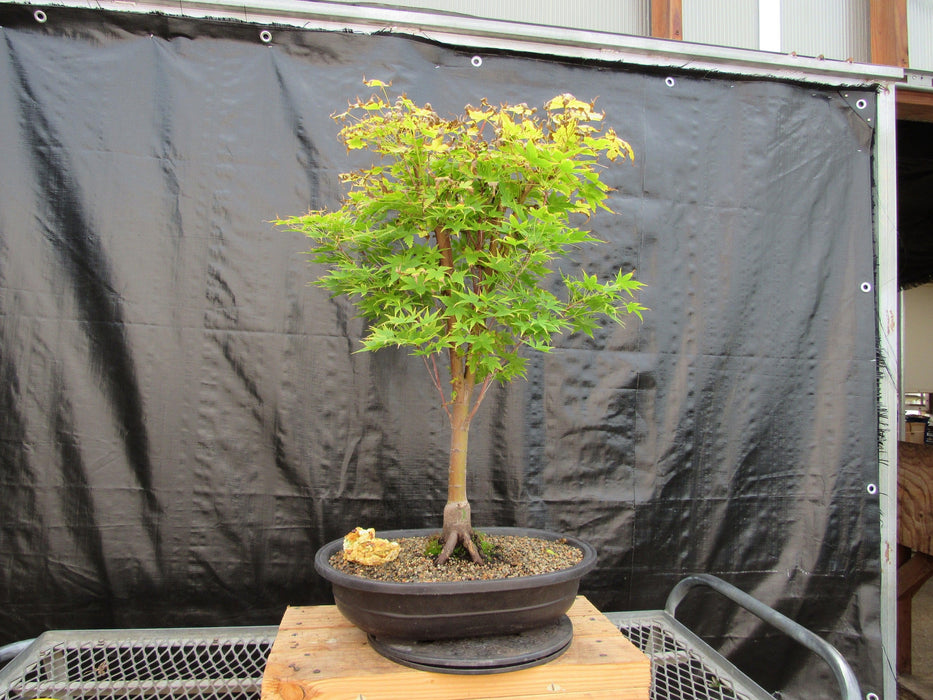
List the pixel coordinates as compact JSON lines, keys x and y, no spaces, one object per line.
{"x":458,"y":529}
{"x":461,"y":534}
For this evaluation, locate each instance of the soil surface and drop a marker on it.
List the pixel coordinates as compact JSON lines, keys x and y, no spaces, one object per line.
{"x":511,"y":557}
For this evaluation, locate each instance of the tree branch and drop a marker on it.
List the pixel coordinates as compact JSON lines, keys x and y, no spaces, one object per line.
{"x":436,"y":380}
{"x":487,"y":382}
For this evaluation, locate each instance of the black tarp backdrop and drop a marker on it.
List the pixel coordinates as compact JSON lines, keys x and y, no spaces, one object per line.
{"x":183,"y":419}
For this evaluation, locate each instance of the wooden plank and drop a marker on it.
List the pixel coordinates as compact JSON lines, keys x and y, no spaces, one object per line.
{"x":914,"y":105}
{"x":318,"y":654}
{"x":911,"y":575}
{"x":915,"y":496}
{"x":914,"y":532}
{"x":915,"y":572}
{"x":888,"y":19}
{"x":667,"y":19}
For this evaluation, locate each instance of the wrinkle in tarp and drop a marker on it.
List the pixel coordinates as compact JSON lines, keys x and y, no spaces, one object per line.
{"x":184,"y":420}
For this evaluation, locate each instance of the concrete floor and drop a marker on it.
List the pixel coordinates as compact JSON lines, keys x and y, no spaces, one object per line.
{"x":919,"y":685}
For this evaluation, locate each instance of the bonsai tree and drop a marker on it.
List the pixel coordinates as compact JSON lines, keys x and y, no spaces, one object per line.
{"x":446,"y":243}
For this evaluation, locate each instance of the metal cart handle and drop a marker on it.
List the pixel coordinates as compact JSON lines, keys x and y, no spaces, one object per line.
{"x":841,"y":669}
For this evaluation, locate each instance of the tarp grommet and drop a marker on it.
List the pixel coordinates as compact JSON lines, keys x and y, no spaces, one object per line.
{"x":40,"y":16}
{"x":872,"y":489}
{"x":865,"y":287}
{"x":670,"y":82}
{"x":265,"y":36}
{"x":477,"y":61}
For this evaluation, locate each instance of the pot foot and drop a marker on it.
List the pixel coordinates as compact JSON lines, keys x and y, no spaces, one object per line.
{"x":481,"y":655}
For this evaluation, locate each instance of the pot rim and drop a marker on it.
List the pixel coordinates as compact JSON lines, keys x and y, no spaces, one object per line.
{"x":577,"y":571}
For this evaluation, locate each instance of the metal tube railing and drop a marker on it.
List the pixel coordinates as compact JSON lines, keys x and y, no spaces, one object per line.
{"x":848,"y":683}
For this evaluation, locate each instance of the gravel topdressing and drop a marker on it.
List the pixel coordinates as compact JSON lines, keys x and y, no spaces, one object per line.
{"x":511,"y":558}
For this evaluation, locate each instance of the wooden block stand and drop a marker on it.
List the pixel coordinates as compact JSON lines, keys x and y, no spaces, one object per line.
{"x":319,"y":654}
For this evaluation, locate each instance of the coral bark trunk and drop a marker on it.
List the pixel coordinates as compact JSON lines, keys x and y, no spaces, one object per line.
{"x":458,"y":527}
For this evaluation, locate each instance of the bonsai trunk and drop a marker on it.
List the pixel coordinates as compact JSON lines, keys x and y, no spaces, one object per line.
{"x":458,"y":527}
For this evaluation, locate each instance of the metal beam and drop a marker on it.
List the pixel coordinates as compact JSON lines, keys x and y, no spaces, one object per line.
{"x":478,"y":33}
{"x":885,"y":197}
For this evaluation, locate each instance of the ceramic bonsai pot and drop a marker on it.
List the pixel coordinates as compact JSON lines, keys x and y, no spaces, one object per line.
{"x":438,"y":611}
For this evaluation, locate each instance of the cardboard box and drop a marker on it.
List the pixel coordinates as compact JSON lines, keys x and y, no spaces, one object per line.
{"x":915,"y":432}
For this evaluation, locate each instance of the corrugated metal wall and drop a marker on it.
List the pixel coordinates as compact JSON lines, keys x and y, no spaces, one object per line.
{"x":616,"y":16}
{"x":837,"y":29}
{"x":831,"y":28}
{"x":919,"y":34}
{"x":721,"y":22}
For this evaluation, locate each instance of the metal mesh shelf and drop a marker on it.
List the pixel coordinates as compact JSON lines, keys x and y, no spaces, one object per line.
{"x":211,"y":663}
{"x":683,"y":666}
{"x":228,"y":663}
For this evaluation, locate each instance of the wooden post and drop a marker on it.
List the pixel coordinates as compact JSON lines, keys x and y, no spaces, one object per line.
{"x":889,"y":32}
{"x":911,"y":576}
{"x":667,"y":19}
{"x":914,"y":537}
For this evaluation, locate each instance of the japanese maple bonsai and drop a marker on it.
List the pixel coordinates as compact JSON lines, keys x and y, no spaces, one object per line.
{"x":446,"y":242}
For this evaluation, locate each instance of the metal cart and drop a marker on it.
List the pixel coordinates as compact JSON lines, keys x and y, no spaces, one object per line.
{"x":228,"y":663}
{"x":684,"y":667}
{"x":210,"y":663}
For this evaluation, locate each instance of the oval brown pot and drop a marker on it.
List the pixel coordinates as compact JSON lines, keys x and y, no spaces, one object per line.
{"x":455,"y":610}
